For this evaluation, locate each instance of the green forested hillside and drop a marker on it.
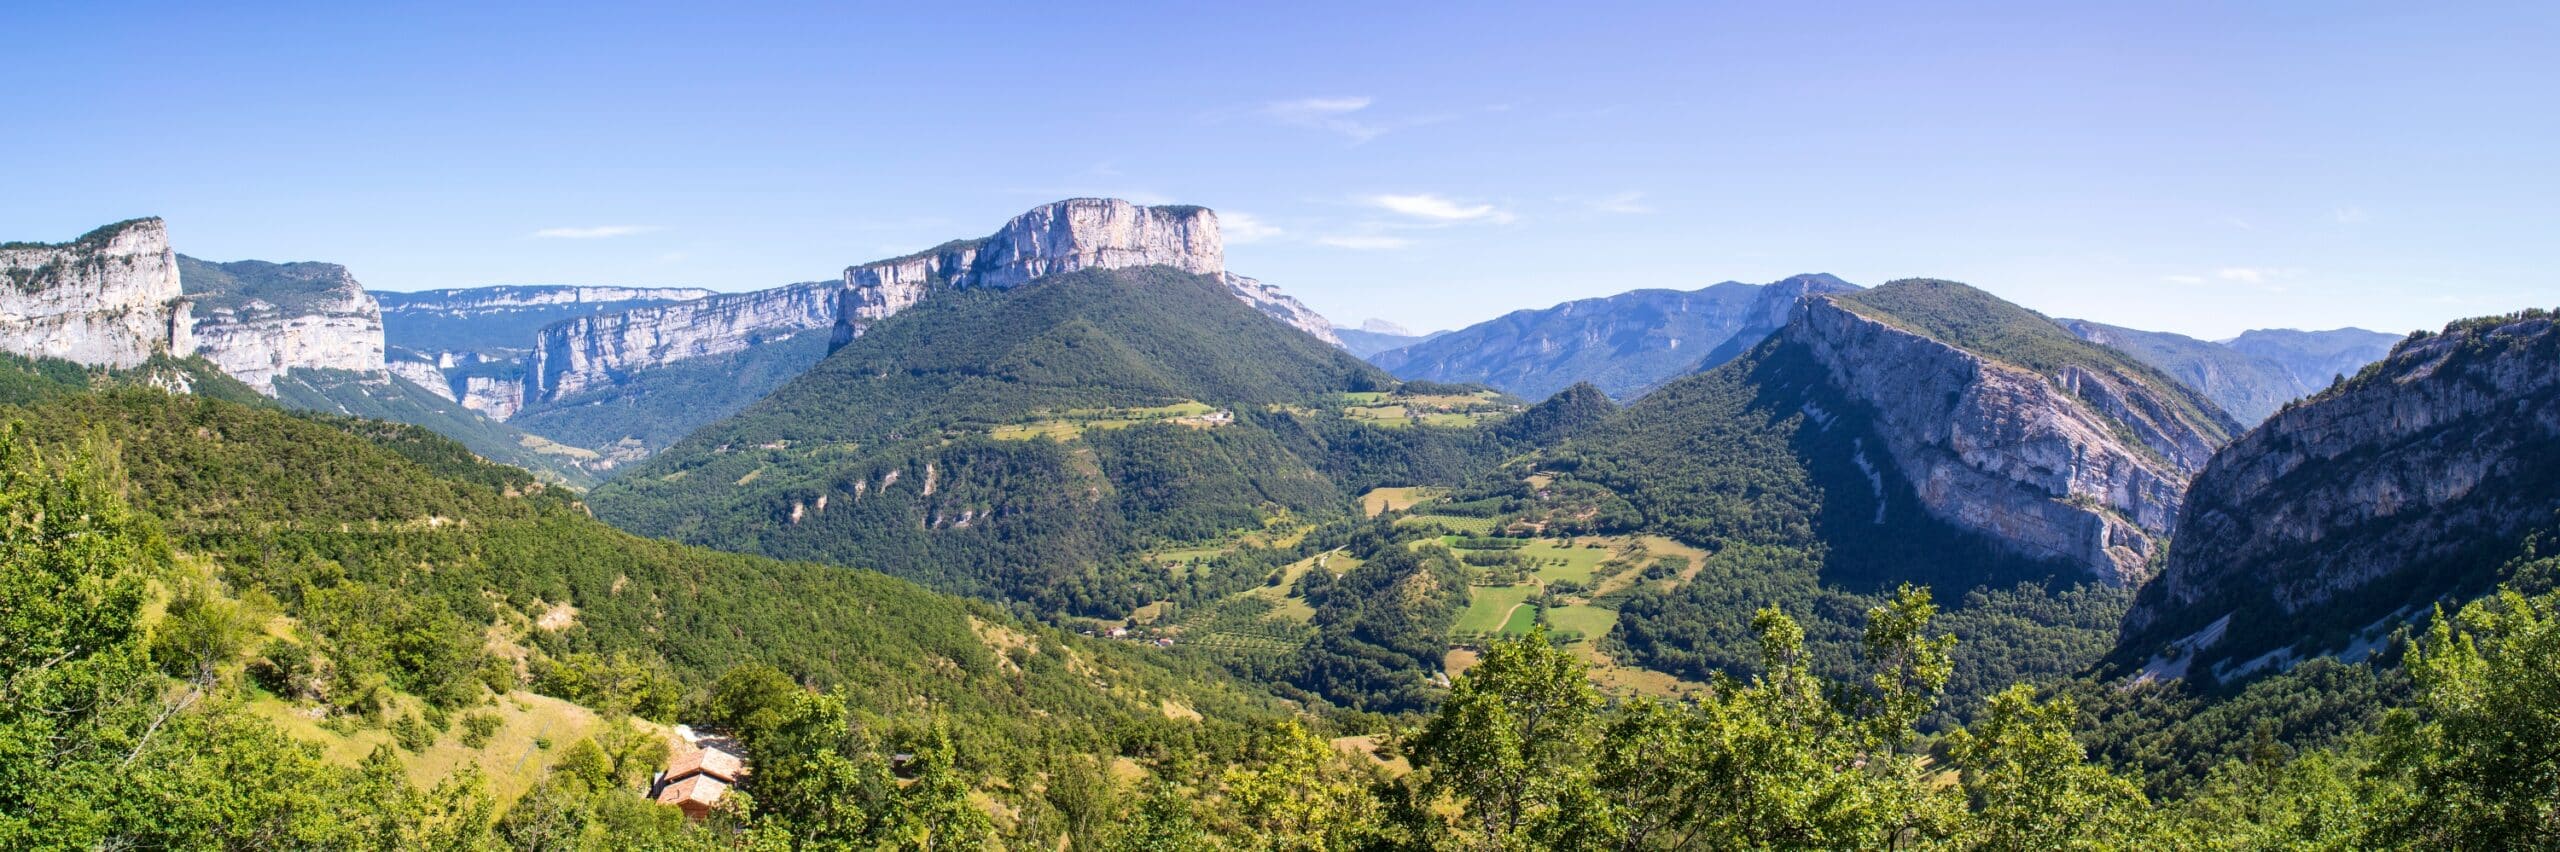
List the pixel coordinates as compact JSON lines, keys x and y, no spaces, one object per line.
{"x":395,"y":551}
{"x":654,"y":408}
{"x":387,"y":397}
{"x":1027,"y":444}
{"x":1730,"y":460}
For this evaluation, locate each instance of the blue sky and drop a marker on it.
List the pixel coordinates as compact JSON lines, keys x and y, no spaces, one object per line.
{"x":2202,"y":168}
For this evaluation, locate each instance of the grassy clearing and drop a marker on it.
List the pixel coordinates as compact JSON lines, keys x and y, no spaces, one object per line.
{"x":1065,"y":425}
{"x":1460,"y":523}
{"x":1582,"y":620}
{"x":1489,"y":607}
{"x":1380,"y":501}
{"x":534,"y":730}
{"x":1524,"y":618}
{"x":1567,"y":559}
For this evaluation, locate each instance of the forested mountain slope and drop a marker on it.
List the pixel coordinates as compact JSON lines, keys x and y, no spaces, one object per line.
{"x":2418,"y":478}
{"x":1920,"y":432}
{"x":1025,"y":443}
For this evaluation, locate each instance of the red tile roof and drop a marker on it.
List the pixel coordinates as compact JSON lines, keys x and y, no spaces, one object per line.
{"x":707,"y":761}
{"x":699,"y":790}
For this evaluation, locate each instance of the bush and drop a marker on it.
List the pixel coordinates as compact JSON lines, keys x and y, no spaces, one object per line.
{"x":411,"y":733}
{"x":477,"y":728}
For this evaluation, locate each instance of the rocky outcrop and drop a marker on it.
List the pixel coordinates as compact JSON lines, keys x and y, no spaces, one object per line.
{"x":588,"y":352}
{"x":481,"y":301}
{"x":256,"y":319}
{"x":2416,"y":479}
{"x":2041,"y":464}
{"x":1078,"y":233}
{"x":1085,"y":233}
{"x":2315,"y":358}
{"x":110,"y":298}
{"x":1281,"y":306}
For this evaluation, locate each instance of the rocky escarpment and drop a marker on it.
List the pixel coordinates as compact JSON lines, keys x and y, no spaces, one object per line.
{"x":593,"y":351}
{"x":1281,"y":306}
{"x":2416,"y":479}
{"x":1084,"y":233}
{"x":505,"y":299}
{"x":2080,"y":465}
{"x":1078,"y":233}
{"x":256,"y":320}
{"x":111,"y":297}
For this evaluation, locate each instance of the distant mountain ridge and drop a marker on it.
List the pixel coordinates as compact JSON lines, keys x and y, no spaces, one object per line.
{"x":1624,"y":344}
{"x":2253,"y":375}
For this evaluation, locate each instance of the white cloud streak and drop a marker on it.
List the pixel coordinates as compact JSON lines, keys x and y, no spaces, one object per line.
{"x":1437,"y":209}
{"x":1240,"y":228}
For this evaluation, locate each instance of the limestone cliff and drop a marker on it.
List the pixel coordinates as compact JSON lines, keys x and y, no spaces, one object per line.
{"x":2083,"y":460}
{"x":256,"y":320}
{"x":111,"y":297}
{"x":1078,"y":233}
{"x":1084,"y":233}
{"x":592,"y":351}
{"x":2415,"y":479}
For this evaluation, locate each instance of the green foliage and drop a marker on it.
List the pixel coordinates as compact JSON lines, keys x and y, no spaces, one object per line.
{"x":344,"y":393}
{"x":1381,"y":627}
{"x":624,"y":682}
{"x":885,"y":454}
{"x":1732,"y":461}
{"x":650,"y":410}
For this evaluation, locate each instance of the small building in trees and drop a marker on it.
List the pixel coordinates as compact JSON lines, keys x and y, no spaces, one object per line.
{"x":696,"y":779}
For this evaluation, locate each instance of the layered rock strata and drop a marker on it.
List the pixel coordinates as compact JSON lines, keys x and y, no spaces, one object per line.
{"x":111,"y":297}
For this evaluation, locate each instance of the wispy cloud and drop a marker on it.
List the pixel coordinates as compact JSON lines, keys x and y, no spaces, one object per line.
{"x":1338,"y":115}
{"x":1239,"y":228}
{"x":2350,"y":215}
{"x":597,"y":232}
{"x":1364,"y":242}
{"x":2184,"y":279}
{"x":1437,"y":209}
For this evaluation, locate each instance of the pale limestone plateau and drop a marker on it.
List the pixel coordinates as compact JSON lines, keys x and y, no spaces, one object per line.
{"x":111,"y":297}
{"x":2084,"y":466}
{"x":259,"y":320}
{"x":2394,"y":479}
{"x":1084,"y":233}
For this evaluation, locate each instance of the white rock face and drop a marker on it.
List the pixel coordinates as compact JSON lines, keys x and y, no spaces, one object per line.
{"x":499,"y":397}
{"x":588,"y":352}
{"x":2038,"y":464}
{"x":1282,"y":306}
{"x":257,"y":320}
{"x":109,"y":298}
{"x":1078,"y":233}
{"x":420,"y":371}
{"x":472,"y":301}
{"x":1082,"y":233}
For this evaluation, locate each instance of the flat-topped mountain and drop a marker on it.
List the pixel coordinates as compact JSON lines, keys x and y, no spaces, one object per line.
{"x":2418,"y":478}
{"x":258,"y":320}
{"x":110,"y":297}
{"x":1624,"y":344}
